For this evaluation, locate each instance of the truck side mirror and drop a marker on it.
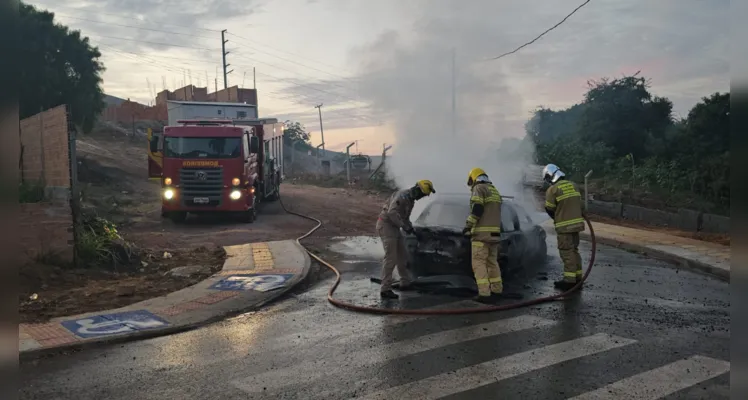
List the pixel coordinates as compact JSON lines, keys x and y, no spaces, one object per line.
{"x":254,"y":145}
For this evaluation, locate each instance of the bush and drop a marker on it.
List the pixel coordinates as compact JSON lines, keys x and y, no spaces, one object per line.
{"x":99,"y":244}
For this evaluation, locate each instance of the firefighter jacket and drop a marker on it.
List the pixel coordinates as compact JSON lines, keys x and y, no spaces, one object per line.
{"x":484,"y":220}
{"x":564,"y":202}
{"x":397,"y":209}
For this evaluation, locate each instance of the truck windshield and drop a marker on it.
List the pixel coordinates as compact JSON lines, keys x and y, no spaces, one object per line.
{"x":199,"y":147}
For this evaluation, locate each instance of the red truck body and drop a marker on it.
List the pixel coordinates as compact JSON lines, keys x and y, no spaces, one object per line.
{"x":210,"y":166}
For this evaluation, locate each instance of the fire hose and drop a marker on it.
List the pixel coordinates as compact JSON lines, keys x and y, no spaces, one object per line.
{"x":456,"y":311}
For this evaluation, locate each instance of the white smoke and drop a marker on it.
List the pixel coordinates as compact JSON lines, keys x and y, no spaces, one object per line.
{"x":407,"y":78}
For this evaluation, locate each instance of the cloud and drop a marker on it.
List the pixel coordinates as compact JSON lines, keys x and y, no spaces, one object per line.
{"x":104,"y":21}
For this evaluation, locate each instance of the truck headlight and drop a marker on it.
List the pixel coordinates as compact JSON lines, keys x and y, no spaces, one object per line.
{"x":235,"y":195}
{"x":236,"y":181}
{"x":169,"y":194}
{"x":167,"y":181}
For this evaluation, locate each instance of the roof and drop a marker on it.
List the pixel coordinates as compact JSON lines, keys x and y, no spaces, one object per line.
{"x":211,"y":103}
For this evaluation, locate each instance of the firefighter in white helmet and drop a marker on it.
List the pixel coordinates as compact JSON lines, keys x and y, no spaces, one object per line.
{"x":563,"y":203}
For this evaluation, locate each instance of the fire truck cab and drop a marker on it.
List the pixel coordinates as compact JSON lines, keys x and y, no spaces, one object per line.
{"x":209,"y":166}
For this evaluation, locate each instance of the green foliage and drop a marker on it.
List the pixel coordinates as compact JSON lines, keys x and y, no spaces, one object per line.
{"x":99,"y":244}
{"x":58,"y":66}
{"x":30,"y":192}
{"x":295,"y":132}
{"x":628,"y":136}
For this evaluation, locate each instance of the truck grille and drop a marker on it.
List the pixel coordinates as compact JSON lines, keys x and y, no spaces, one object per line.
{"x":201,"y":183}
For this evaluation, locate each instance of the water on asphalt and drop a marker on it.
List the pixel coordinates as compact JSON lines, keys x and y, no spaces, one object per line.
{"x":639,"y":329}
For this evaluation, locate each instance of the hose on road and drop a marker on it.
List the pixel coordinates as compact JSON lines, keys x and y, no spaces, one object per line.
{"x":456,"y":311}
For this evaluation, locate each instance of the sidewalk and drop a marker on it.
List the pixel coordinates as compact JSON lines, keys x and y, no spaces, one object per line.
{"x":252,"y":275}
{"x":697,"y":255}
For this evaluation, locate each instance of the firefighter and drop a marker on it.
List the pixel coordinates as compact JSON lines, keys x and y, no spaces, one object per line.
{"x":563,"y":203}
{"x":483,"y":225}
{"x":395,"y":215}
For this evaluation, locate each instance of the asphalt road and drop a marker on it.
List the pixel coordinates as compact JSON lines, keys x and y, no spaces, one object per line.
{"x":639,"y":330}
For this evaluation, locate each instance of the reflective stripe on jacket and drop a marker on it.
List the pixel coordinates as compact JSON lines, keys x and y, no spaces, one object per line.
{"x":564,"y":199}
{"x":485,"y":194}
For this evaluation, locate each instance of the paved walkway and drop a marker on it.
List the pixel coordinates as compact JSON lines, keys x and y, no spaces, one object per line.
{"x":711,"y":258}
{"x":252,"y":275}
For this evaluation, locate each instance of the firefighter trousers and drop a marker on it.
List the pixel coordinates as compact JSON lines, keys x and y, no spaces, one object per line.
{"x":485,"y":260}
{"x":394,"y":255}
{"x":568,"y":248}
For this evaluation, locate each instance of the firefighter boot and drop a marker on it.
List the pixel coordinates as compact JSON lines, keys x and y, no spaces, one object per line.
{"x":564,"y":285}
{"x":389,"y":294}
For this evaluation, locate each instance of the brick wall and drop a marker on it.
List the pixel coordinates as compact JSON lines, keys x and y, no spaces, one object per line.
{"x":45,"y":229}
{"x":129,"y":110}
{"x":45,"y":151}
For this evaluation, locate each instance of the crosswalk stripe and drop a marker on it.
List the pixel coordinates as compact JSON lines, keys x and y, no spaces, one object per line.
{"x":503,"y":368}
{"x":662,"y":381}
{"x":318,"y":368}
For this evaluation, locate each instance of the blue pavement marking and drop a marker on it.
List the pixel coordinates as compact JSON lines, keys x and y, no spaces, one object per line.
{"x":258,"y":282}
{"x":113,"y":324}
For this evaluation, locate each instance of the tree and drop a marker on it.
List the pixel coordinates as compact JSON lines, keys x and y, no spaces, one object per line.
{"x":58,"y":66}
{"x":623,"y":115}
{"x":295,"y":132}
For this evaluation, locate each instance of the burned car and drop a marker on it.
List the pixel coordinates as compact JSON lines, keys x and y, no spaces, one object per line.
{"x":438,"y":247}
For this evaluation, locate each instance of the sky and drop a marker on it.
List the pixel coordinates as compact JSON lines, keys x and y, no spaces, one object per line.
{"x":384,"y":68}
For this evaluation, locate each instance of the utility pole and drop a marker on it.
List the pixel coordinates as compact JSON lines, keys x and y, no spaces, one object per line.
{"x":225,"y":53}
{"x":454,"y":93}
{"x":254,"y":79}
{"x":321,"y":129}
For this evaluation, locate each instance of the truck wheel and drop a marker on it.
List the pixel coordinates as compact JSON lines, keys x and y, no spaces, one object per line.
{"x":249,"y":216}
{"x":178,"y":216}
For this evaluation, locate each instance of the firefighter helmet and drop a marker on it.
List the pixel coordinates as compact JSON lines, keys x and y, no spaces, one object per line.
{"x":426,"y":187}
{"x":552,"y":173}
{"x":473,"y":175}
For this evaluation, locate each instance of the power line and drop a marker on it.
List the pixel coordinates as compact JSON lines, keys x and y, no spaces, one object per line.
{"x":541,"y":35}
{"x":286,"y":59}
{"x":281,"y":51}
{"x":135,"y":27}
{"x":157,"y":43}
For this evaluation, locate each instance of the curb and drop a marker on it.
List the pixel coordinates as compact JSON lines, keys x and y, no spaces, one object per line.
{"x":32,"y":354}
{"x":682,"y":262}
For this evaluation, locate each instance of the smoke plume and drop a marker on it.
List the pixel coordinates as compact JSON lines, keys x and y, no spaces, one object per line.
{"x":408,"y":80}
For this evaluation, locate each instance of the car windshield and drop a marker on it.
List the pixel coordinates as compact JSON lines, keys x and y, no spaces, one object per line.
{"x":202,"y":147}
{"x":453,"y":215}
{"x":450,"y":215}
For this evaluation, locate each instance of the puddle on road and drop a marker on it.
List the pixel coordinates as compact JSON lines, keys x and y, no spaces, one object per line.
{"x":363,"y":248}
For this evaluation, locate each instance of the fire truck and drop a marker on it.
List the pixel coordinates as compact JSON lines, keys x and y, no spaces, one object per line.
{"x":209,"y":166}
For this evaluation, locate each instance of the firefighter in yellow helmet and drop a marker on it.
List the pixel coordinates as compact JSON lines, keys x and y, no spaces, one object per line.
{"x":563,"y":203}
{"x":483,"y":225}
{"x":395,"y":215}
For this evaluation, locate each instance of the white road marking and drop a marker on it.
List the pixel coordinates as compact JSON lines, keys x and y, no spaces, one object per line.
{"x":316,"y":368}
{"x":502,"y":368}
{"x":662,"y":381}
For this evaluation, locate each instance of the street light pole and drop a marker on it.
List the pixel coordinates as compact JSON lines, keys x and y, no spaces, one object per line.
{"x":348,"y":161}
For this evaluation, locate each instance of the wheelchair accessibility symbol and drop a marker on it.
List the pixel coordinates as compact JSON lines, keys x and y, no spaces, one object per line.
{"x":258,"y":282}
{"x":113,"y":324}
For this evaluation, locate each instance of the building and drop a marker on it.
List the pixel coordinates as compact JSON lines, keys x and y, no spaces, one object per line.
{"x":208,"y":110}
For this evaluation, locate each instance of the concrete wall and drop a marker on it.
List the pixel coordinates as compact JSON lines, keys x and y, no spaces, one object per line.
{"x":687,"y":220}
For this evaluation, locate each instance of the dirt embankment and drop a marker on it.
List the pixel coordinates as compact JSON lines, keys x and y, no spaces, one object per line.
{"x":114,"y":181}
